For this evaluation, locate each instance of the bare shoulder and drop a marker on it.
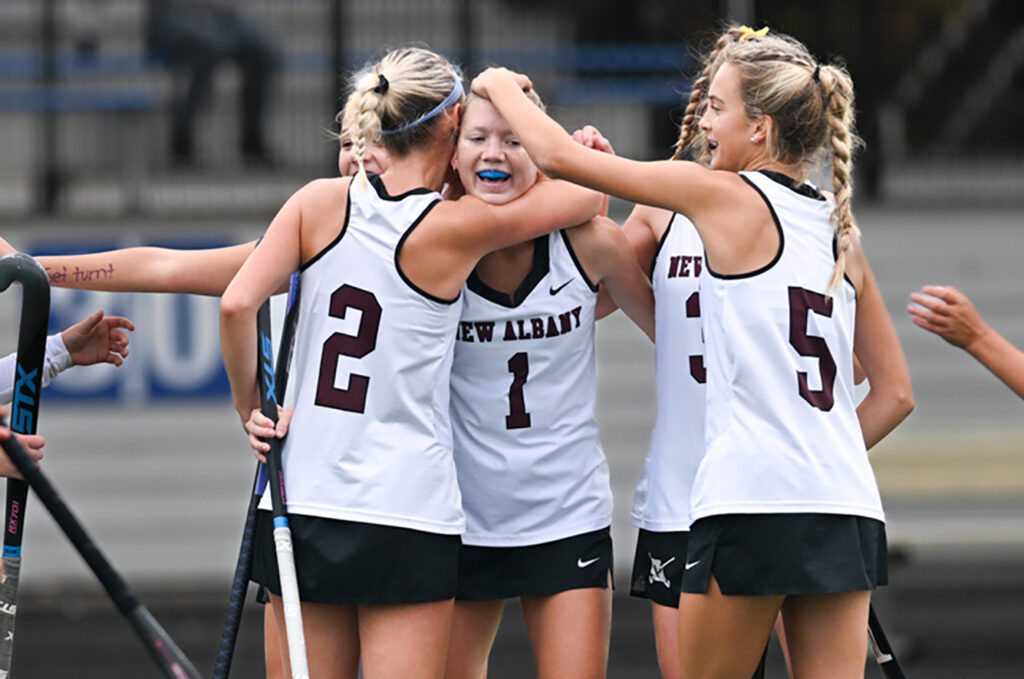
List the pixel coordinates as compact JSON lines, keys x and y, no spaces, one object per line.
{"x":326,"y":192}
{"x":857,"y":267}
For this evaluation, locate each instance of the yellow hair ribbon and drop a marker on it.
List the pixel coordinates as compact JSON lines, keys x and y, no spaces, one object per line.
{"x":747,"y":31}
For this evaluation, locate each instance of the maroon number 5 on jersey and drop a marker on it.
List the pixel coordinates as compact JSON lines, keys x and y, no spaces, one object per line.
{"x":352,"y":398}
{"x":801,"y":301}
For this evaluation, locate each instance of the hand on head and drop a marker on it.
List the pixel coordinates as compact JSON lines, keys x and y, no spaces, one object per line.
{"x":97,"y":340}
{"x":491,"y":75}
{"x":948,"y":313}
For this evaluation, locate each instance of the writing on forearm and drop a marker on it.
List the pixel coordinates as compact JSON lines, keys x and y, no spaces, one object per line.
{"x":63,"y":277}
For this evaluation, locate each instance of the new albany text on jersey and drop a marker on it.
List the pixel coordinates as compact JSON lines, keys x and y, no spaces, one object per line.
{"x":537,"y":327}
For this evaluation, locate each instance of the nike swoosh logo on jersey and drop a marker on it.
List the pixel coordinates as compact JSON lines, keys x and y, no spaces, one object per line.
{"x":555,"y":291}
{"x":691,"y":564}
{"x":580,"y":563}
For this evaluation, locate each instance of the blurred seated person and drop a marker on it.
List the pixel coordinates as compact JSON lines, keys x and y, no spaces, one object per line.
{"x":195,"y":37}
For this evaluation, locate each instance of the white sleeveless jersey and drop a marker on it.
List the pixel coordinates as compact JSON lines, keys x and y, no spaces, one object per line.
{"x":530,"y":464}
{"x":370,"y":437}
{"x":662,"y":499}
{"x":782,"y":429}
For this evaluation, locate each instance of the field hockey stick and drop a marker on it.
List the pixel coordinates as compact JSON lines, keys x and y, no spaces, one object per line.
{"x":28,"y":383}
{"x":243,"y":567}
{"x":282,"y":533}
{"x":161,"y":647}
{"x":887,"y":661}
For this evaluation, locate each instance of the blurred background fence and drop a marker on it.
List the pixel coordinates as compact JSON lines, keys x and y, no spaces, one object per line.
{"x":85,"y":98}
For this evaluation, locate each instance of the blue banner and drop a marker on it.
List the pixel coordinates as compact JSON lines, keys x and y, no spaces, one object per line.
{"x":175,"y":349}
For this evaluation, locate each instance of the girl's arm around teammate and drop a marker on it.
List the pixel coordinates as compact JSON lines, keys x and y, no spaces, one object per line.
{"x":948,"y":313}
{"x":460,"y":232}
{"x":449,"y":242}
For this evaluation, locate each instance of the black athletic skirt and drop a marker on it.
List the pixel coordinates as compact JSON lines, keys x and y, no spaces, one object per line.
{"x":576,"y":562}
{"x":658,"y":566}
{"x":348,"y":562}
{"x":762,"y":554}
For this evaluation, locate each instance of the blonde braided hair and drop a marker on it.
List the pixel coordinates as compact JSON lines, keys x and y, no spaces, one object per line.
{"x":838,"y":92}
{"x":811,"y":107}
{"x":393,"y":99}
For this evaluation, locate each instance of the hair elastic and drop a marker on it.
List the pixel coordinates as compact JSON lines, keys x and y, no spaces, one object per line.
{"x":817,"y":73}
{"x":455,"y":95}
{"x":382,"y":84}
{"x":747,"y":31}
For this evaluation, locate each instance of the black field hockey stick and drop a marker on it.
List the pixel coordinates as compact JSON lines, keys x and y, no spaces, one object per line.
{"x":294,"y":633}
{"x":161,"y":647}
{"x":887,"y":661}
{"x":28,"y":383}
{"x":243,"y":567}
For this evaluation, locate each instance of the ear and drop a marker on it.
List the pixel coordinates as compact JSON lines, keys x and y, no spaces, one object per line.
{"x":762,"y":129}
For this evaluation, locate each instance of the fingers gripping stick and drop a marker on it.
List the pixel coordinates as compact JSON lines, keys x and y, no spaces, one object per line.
{"x":282,"y":533}
{"x":243,"y":566}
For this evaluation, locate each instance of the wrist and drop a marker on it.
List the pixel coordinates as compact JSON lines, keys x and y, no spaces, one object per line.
{"x":57,"y":353}
{"x":982,"y":342}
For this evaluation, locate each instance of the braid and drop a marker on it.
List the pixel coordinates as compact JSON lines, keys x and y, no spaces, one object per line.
{"x":694,"y":110}
{"x":838,"y":94}
{"x":364,"y":109}
{"x":690,"y":128}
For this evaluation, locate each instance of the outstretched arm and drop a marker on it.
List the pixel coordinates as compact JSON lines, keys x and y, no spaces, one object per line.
{"x":149,"y":269}
{"x":948,"y":313}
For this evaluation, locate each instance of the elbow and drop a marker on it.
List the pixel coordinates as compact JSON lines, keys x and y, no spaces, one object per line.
{"x":903,"y":402}
{"x":232,"y":308}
